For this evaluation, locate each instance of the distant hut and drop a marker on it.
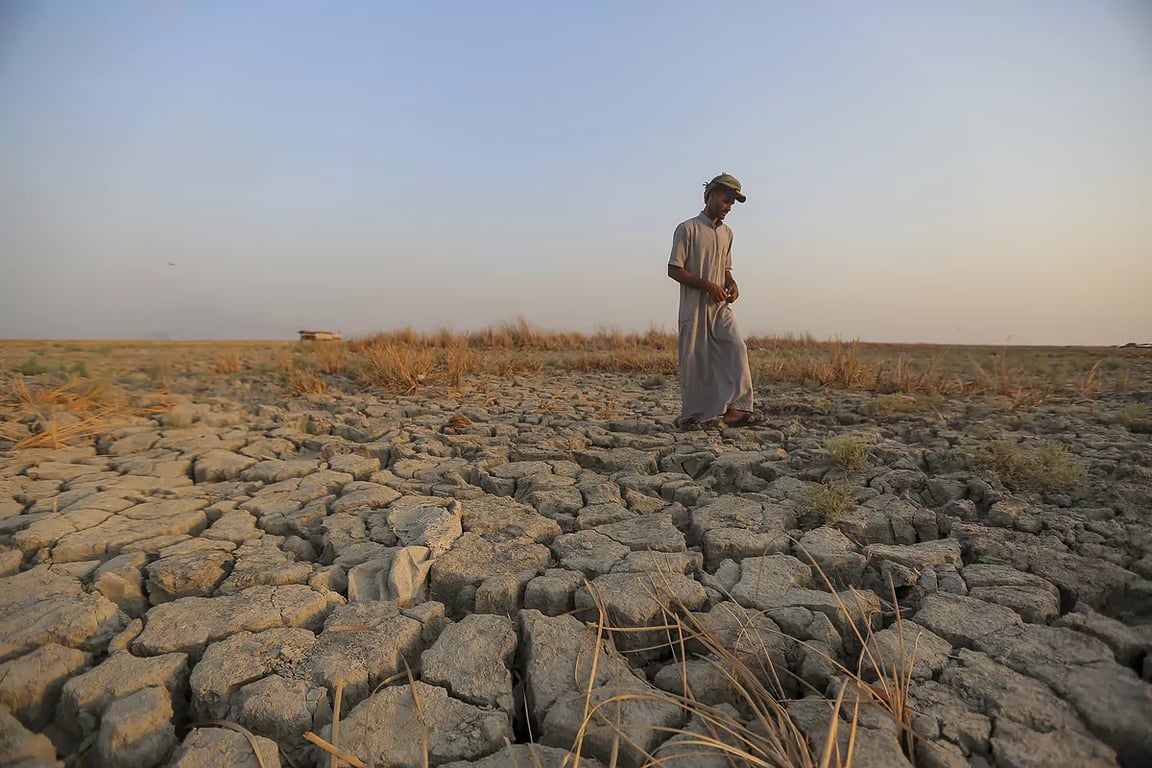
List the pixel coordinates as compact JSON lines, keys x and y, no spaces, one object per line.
{"x":319,"y":336}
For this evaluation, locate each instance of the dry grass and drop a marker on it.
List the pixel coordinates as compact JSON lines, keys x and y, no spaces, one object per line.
{"x":1044,"y":468}
{"x":905,"y":377}
{"x":228,"y":363}
{"x":53,"y":415}
{"x":848,"y":452}
{"x":331,"y":356}
{"x":395,"y":367}
{"x":306,"y":383}
{"x":404,"y":360}
{"x":896,"y":402}
{"x":1027,"y":376}
{"x":763,"y":733}
{"x":827,"y":502}
{"x":461,"y":361}
{"x":1135,"y":419}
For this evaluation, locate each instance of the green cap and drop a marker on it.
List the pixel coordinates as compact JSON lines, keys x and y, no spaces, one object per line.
{"x":729,"y":181}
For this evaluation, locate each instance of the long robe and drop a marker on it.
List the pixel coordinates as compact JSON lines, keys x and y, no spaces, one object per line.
{"x":714,"y":374}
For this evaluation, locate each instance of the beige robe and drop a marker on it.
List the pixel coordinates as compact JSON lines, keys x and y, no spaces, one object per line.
{"x":714,"y":374}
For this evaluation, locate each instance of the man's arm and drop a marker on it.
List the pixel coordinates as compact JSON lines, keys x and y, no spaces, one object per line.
{"x":684,"y":277}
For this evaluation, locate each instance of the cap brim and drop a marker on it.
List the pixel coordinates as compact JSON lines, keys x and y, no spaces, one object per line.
{"x":740,"y":196}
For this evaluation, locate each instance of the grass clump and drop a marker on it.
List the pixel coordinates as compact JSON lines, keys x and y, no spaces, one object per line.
{"x":848,"y":452}
{"x":1136,"y":419}
{"x":226,"y":364}
{"x":53,"y":415}
{"x":395,"y":367}
{"x":1044,"y":468}
{"x":827,"y":502}
{"x":331,"y":356}
{"x":34,"y":365}
{"x":306,"y":383}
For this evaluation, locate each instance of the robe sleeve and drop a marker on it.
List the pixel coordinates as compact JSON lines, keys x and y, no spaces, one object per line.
{"x":679,"y":255}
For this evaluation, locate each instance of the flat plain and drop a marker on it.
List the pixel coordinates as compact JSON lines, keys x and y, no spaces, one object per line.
{"x":498,"y":549}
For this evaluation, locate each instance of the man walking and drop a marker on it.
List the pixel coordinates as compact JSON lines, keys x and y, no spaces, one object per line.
{"x":714,"y":378}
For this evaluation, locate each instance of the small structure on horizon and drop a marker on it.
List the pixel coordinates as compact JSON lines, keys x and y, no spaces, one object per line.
{"x":319,"y":336}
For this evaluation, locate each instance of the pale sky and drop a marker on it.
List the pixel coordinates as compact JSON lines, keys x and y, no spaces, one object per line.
{"x":956,"y":172}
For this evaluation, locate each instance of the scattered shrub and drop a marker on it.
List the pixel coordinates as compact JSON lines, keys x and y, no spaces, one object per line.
{"x":827,"y":502}
{"x":33,"y":366}
{"x":1044,"y":468}
{"x":306,"y":382}
{"x":331,"y":356}
{"x":226,"y":364}
{"x":1135,"y":418}
{"x":848,"y":452}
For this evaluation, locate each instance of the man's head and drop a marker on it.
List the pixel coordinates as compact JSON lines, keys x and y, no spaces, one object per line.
{"x":720,"y":195}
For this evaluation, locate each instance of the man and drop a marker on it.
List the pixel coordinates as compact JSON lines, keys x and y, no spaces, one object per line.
{"x":714,"y":378}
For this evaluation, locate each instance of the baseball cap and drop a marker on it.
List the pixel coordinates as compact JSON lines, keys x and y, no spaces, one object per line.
{"x":729,"y":181}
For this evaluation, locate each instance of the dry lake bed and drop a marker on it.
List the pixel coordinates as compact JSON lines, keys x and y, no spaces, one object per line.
{"x":426,"y":552}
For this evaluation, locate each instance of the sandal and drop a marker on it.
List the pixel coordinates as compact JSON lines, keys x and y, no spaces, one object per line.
{"x":745,"y":419}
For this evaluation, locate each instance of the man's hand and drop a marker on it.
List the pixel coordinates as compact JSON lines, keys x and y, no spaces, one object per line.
{"x":684,"y":277}
{"x":730,"y":287}
{"x":716,"y":292}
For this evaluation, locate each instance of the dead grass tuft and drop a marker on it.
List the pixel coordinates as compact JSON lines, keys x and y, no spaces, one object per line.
{"x":228,"y":363}
{"x":1044,"y":468}
{"x":331,"y":356}
{"x":306,"y":383}
{"x":395,"y":367}
{"x":848,"y":452}
{"x":460,"y":361}
{"x":1135,"y":419}
{"x":827,"y":502}
{"x":52,"y":415}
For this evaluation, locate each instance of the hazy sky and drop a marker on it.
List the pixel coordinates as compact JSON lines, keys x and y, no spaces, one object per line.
{"x":975,"y":171}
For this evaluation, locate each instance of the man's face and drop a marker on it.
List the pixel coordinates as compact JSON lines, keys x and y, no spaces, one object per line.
{"x":720,"y":201}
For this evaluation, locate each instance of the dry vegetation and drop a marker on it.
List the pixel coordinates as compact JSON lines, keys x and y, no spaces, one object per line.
{"x":827,"y":502}
{"x":1044,"y":468}
{"x":848,"y":452}
{"x":53,"y":414}
{"x":904,"y":378}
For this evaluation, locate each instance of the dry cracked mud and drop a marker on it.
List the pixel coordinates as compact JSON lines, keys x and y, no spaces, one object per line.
{"x":447,"y":558}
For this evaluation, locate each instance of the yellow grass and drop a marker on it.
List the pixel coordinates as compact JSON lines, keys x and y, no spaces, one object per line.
{"x":230,"y":363}
{"x":305,"y":383}
{"x":52,"y":415}
{"x":331,"y":356}
{"x":406,"y":360}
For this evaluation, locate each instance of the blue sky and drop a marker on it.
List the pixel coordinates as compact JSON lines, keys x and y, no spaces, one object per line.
{"x":974,"y":172}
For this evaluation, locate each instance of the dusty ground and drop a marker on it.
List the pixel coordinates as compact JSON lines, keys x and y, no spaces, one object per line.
{"x":231,"y":552}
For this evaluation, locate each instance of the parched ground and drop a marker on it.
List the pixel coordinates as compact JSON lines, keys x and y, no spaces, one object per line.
{"x":445,"y":557}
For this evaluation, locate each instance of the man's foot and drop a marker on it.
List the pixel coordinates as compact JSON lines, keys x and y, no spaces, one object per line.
{"x":740,"y":419}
